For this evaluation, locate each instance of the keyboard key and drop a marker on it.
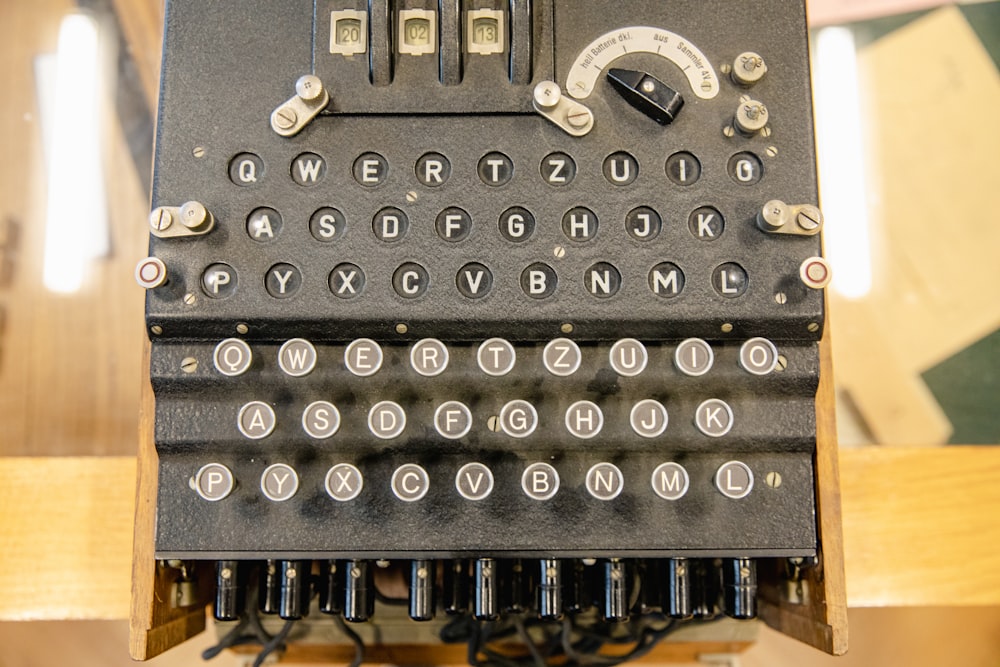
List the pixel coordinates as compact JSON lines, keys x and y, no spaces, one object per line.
{"x":256,"y":420}
{"x":279,"y":482}
{"x":214,"y":481}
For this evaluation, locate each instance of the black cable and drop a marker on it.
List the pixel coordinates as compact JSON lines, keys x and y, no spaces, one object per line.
{"x":523,"y":634}
{"x":235,"y":636}
{"x":228,"y":640}
{"x":276,"y":642}
{"x":570,"y":643}
{"x":394,"y":602}
{"x":359,"y":644}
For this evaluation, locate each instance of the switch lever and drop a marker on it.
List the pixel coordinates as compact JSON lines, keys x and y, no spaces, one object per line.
{"x":567,"y":114}
{"x":331,"y":600}
{"x":298,"y":111}
{"x":455,"y":585}
{"x":647,"y":94}
{"x":269,"y":588}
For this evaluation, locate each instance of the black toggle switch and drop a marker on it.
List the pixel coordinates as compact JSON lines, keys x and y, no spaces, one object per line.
{"x":579,"y":593}
{"x":293,"y":603}
{"x":269,"y":591}
{"x":455,"y":587}
{"x":331,"y":600}
{"x":359,"y":591}
{"x":739,"y":586}
{"x":704,"y":589}
{"x":678,"y":602}
{"x":550,"y":594}
{"x":614,"y":598}
{"x":422,"y":590}
{"x":651,"y":586}
{"x":484,"y":599}
{"x":647,"y":94}
{"x":230,"y":594}
{"x":514,"y":586}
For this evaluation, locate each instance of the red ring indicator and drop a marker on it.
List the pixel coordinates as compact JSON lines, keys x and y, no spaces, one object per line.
{"x":816,"y":273}
{"x":150,"y":272}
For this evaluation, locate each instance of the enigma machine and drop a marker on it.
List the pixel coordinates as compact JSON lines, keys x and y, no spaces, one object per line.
{"x":516,"y":300}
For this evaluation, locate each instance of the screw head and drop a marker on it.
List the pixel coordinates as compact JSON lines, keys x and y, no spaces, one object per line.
{"x":559,"y":252}
{"x":190,"y":299}
{"x":198,"y":152}
{"x":809,"y":219}
{"x":578,"y":119}
{"x":242,"y":328}
{"x":285,"y":118}
{"x":160,"y":219}
{"x":402,"y":328}
{"x":566,"y":328}
{"x":773,"y":480}
{"x":648,"y":86}
{"x":781,"y":298}
{"x":547,"y":94}
{"x":189,"y":365}
{"x":727,"y":328}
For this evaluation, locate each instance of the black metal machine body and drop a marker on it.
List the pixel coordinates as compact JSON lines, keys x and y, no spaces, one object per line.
{"x":485,"y":282}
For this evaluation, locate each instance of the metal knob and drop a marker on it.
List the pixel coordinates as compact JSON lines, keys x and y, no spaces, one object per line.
{"x":748,"y":68}
{"x":751,"y":116}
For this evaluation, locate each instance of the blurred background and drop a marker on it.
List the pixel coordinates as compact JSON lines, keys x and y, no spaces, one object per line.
{"x":907,"y":105}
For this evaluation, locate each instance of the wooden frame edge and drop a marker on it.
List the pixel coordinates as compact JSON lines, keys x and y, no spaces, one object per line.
{"x":154,"y":624}
{"x":820,"y":620}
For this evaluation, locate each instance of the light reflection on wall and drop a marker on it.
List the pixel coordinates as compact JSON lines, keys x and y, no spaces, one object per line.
{"x":840,"y":145}
{"x":76,"y":218}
